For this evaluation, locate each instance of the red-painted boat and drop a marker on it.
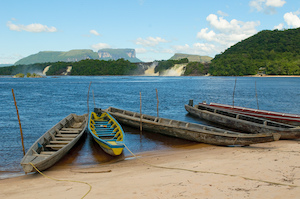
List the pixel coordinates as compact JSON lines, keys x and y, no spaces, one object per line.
{"x":286,"y":118}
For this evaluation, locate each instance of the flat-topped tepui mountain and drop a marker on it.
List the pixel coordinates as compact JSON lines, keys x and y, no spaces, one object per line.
{"x":77,"y":55}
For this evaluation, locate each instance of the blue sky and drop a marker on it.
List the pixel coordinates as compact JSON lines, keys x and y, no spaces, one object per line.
{"x":155,"y":28}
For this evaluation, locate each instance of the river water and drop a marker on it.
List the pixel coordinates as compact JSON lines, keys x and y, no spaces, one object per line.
{"x":42,"y":102}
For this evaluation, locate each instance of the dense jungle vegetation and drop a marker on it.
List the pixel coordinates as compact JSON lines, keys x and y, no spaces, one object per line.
{"x":83,"y":67}
{"x":97,"y":67}
{"x":270,"y":52}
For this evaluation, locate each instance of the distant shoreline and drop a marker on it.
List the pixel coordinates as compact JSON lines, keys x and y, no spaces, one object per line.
{"x":6,"y":76}
{"x":273,"y":76}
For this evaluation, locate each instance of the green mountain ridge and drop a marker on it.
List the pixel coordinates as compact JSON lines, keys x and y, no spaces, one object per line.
{"x":267,"y":52}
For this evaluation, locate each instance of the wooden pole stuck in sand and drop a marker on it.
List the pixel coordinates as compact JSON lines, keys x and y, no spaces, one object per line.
{"x":12,"y":90}
{"x":94,"y":99}
{"x":256,"y":96}
{"x":88,"y":107}
{"x":233,"y":93}
{"x":141,"y":124}
{"x":157,"y":102}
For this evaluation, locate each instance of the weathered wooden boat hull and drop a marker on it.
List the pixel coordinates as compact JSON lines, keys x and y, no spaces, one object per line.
{"x":243,"y":122}
{"x":55,"y":143}
{"x":286,"y":118}
{"x":189,"y":131}
{"x":107,"y":132}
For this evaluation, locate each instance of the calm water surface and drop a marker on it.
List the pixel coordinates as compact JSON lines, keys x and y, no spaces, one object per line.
{"x":42,"y":102}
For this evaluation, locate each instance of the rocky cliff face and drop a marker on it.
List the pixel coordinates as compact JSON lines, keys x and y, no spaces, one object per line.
{"x":117,"y":54}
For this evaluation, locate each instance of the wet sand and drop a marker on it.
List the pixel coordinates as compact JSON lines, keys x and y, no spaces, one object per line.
{"x":268,"y":170}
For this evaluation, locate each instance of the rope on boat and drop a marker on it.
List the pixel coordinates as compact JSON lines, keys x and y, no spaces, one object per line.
{"x":211,"y":172}
{"x":63,"y":180}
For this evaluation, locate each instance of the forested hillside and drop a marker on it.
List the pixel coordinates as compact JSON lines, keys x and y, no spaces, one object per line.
{"x":83,"y":67}
{"x":101,"y":67}
{"x":94,"y":67}
{"x":270,"y":52}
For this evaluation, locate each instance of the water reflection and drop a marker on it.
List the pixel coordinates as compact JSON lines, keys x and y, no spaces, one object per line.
{"x":88,"y":152}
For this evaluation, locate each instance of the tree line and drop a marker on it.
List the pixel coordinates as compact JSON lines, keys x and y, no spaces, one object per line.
{"x":83,"y":67}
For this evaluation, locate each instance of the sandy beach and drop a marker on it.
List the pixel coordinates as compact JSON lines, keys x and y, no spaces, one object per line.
{"x":268,"y":170}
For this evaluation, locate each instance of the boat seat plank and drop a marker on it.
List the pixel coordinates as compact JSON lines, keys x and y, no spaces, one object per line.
{"x":45,"y":155}
{"x":67,"y":135}
{"x":106,"y":138}
{"x":55,"y":145}
{"x":105,"y":133}
{"x":48,"y":152}
{"x":71,"y":128}
{"x":69,"y":132}
{"x":104,"y":130}
{"x":103,"y":121}
{"x":59,"y":142}
{"x":64,"y":138}
{"x":103,"y":126}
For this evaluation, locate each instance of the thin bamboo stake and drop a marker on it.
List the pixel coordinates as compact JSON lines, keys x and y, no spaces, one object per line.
{"x":12,"y":90}
{"x":157,"y":101}
{"x":94,"y":99}
{"x":88,"y":109}
{"x":141,"y":125}
{"x":233,"y":93}
{"x":256,"y":96}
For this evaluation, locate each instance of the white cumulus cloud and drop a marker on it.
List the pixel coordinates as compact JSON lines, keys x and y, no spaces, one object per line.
{"x":150,"y":41}
{"x":234,"y":26}
{"x":94,"y":32}
{"x":206,"y":35}
{"x":279,"y":26}
{"x":196,"y":49}
{"x":222,"y":13}
{"x":100,"y":46}
{"x":266,"y":6}
{"x":224,"y":33}
{"x":275,"y":3}
{"x":35,"y":27}
{"x":292,"y":19}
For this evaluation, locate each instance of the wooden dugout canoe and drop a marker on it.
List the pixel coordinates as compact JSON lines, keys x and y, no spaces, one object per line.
{"x":286,"y":118}
{"x":55,"y":143}
{"x":242,"y":122}
{"x":189,"y":131}
{"x":107,"y":132}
